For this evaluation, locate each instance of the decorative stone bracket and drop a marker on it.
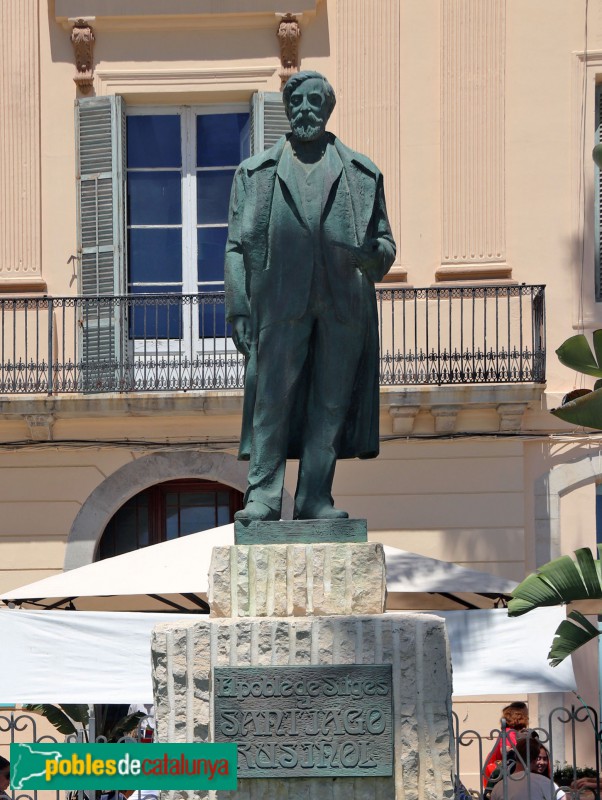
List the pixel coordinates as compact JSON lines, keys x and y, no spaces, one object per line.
{"x":403,"y":418}
{"x":460,"y":409}
{"x":40,"y":427}
{"x":82,"y":38}
{"x":289,"y":33}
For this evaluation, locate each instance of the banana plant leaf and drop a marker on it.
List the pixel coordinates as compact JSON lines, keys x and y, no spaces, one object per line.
{"x":79,"y":712}
{"x":577,"y":354}
{"x":571,"y":634}
{"x":124,"y":726}
{"x":585,"y":410}
{"x":55,"y":715}
{"x":557,"y":582}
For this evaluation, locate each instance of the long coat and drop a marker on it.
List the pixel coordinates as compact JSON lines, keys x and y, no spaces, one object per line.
{"x":268,"y":273}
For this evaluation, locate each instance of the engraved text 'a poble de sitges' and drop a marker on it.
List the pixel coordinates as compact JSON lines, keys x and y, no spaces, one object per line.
{"x":306,"y":721}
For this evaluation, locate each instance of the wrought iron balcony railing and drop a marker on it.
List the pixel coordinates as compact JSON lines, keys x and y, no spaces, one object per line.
{"x":172,"y":342}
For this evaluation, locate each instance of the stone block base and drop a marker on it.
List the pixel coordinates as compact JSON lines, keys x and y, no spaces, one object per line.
{"x":297,"y":580}
{"x":414,"y":644}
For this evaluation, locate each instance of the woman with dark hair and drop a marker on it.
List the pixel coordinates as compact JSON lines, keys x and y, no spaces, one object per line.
{"x":541,"y":765}
{"x":4,"y":778}
{"x":530,"y":778}
{"x":516,"y":715}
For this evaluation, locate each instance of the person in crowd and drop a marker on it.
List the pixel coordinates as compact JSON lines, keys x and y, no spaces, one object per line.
{"x":587,"y":784}
{"x":4,"y":778}
{"x":516,"y":715}
{"x":541,"y":765}
{"x":532,"y":783}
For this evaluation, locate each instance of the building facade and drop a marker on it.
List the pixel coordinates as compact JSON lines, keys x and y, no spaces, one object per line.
{"x":120,"y":391}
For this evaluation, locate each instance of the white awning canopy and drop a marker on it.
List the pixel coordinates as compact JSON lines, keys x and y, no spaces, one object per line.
{"x":174,"y":576}
{"x":103,"y":657}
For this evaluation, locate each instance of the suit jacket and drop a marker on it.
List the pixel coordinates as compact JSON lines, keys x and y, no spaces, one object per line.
{"x":268,"y":267}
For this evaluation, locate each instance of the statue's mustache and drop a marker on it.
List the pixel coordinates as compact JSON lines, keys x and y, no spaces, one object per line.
{"x":307,"y":117}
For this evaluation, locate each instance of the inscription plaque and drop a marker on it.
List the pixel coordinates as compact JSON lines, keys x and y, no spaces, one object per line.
{"x":306,"y":721}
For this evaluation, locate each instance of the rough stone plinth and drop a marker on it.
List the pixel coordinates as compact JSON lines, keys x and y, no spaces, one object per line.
{"x":414,"y":644}
{"x":300,"y":531}
{"x":297,"y":580}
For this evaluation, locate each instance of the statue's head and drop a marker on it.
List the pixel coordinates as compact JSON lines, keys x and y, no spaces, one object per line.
{"x":308,"y":102}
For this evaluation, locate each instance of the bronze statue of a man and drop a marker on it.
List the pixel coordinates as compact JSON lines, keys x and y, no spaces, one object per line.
{"x":308,"y":238}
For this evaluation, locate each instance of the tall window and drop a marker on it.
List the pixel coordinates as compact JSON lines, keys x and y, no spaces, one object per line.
{"x":168,"y":511}
{"x":153,"y":186}
{"x":180,"y":166}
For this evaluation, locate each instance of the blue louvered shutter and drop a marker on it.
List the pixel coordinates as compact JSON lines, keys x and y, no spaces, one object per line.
{"x":100,"y":140}
{"x":598,"y":200}
{"x":268,"y":120}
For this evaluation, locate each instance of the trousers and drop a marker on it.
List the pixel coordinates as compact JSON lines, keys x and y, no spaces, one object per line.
{"x":286,"y":351}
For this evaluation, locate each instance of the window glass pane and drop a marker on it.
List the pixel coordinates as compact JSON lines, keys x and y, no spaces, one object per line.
{"x":154,"y":198}
{"x":213,"y":195}
{"x":212,"y":315}
{"x":154,"y":141}
{"x":223,"y":508}
{"x":129,"y":521}
{"x":222,"y":139}
{"x":211,"y":252}
{"x":156,"y":317}
{"x":171,"y":524}
{"x":197,"y":510}
{"x":155,"y":255}
{"x":196,"y":518}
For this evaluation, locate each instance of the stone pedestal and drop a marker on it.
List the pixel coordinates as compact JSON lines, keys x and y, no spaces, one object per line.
{"x":285,"y":606}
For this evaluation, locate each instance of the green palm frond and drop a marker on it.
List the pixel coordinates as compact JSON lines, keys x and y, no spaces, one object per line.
{"x":55,"y":715}
{"x":572,"y":633}
{"x":577,"y":354}
{"x":582,"y":407}
{"x":124,"y":726}
{"x":79,"y":712}
{"x":557,"y":582}
{"x":585,"y":410}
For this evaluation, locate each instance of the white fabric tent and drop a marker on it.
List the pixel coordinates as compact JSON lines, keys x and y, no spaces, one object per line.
{"x":174,"y":575}
{"x":103,"y":657}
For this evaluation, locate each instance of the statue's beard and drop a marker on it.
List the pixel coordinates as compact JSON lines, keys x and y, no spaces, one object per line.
{"x":308,"y":129}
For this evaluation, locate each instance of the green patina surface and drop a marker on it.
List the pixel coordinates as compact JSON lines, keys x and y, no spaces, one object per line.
{"x":308,"y":531}
{"x":308,"y":721}
{"x":308,"y":237}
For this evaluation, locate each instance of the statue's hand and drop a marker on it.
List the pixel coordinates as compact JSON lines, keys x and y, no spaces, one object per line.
{"x":367,"y":257}
{"x":241,"y":334}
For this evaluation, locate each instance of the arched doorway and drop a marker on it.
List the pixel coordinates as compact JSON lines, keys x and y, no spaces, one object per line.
{"x":167,"y":511}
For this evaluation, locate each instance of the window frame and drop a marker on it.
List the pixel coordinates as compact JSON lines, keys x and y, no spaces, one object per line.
{"x":191,"y":341}
{"x":189,"y":226}
{"x":157,"y":508}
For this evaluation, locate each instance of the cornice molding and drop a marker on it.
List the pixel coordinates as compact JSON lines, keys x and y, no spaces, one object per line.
{"x":144,"y":15}
{"x":116,"y":81}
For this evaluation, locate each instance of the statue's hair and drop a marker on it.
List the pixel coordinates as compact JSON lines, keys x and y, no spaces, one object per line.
{"x":298,"y":78}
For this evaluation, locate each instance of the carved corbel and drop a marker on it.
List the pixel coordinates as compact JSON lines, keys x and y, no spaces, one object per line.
{"x":403,"y":418}
{"x":289,"y":33}
{"x":82,"y":38}
{"x":445,"y":418}
{"x":40,"y":427}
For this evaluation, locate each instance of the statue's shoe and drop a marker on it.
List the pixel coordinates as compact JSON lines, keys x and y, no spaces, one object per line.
{"x":255,"y":510}
{"x":321,"y":512}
